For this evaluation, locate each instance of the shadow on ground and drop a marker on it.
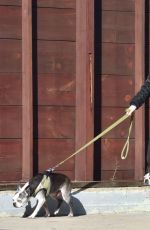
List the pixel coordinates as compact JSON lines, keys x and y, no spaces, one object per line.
{"x":78,"y":208}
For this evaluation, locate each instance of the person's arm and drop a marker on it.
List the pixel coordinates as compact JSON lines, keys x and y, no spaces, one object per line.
{"x":140,"y":97}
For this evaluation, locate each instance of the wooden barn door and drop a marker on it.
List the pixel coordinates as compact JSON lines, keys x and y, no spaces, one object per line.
{"x":54,"y":84}
{"x":46,"y":87}
{"x":49,"y":93}
{"x":114,"y":85}
{"x":62,"y":78}
{"x":10,"y":91}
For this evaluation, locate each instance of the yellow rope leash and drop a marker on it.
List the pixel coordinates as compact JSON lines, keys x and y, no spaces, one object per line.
{"x":126,"y":146}
{"x":125,"y":150}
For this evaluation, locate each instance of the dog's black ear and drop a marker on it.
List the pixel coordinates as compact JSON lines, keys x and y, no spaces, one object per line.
{"x":28,"y":190}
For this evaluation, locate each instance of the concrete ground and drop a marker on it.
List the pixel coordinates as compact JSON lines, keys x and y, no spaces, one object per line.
{"x":125,"y":221}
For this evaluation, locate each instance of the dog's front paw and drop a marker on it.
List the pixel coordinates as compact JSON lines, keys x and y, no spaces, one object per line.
{"x":47,"y":215}
{"x":56,"y":212}
{"x":70,"y":214}
{"x":31,"y":217}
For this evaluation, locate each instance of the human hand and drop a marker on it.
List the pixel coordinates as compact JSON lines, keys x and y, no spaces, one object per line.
{"x":130,"y":110}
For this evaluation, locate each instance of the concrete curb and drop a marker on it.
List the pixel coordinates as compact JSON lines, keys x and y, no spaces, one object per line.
{"x":89,"y":201}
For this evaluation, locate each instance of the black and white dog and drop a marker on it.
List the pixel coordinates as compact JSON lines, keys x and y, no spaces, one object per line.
{"x":41,"y":186}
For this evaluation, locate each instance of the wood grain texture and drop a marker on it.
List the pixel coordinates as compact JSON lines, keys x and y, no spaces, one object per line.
{"x":56,"y":24}
{"x":27,"y":91}
{"x":10,"y":160}
{"x":117,"y":27}
{"x":117,"y":5}
{"x":10,"y":2}
{"x":56,"y":122}
{"x":84,"y":87}
{"x":53,"y":151}
{"x":56,"y":3}
{"x":116,"y":91}
{"x":10,"y":22}
{"x":10,"y":122}
{"x":56,"y":57}
{"x":114,"y":83}
{"x":54,"y":92}
{"x":12,"y":49}
{"x":10,"y":89}
{"x":117,"y":59}
{"x":56,"y":89}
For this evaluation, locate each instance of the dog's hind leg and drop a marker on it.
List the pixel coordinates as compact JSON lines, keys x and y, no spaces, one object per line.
{"x":66,"y":195}
{"x":47,"y":213}
{"x":59,"y":200}
{"x":41,"y":200}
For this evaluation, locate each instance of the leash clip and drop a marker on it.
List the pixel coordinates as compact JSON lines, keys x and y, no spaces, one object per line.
{"x":50,"y":169}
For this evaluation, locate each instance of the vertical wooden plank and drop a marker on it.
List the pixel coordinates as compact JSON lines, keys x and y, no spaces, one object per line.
{"x":27,"y":101}
{"x":84,"y":88}
{"x":139,"y":79}
{"x":90,"y":89}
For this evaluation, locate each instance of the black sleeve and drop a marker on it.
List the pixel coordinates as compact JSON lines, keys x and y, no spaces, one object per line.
{"x":142,"y":95}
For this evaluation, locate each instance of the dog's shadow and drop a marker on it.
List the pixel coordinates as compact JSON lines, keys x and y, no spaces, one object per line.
{"x":77,"y":206}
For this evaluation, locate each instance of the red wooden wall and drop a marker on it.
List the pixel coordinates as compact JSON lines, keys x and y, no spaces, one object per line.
{"x":114,"y":79}
{"x":63,"y":86}
{"x":59,"y":114}
{"x":54,"y":83}
{"x":10,"y":90}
